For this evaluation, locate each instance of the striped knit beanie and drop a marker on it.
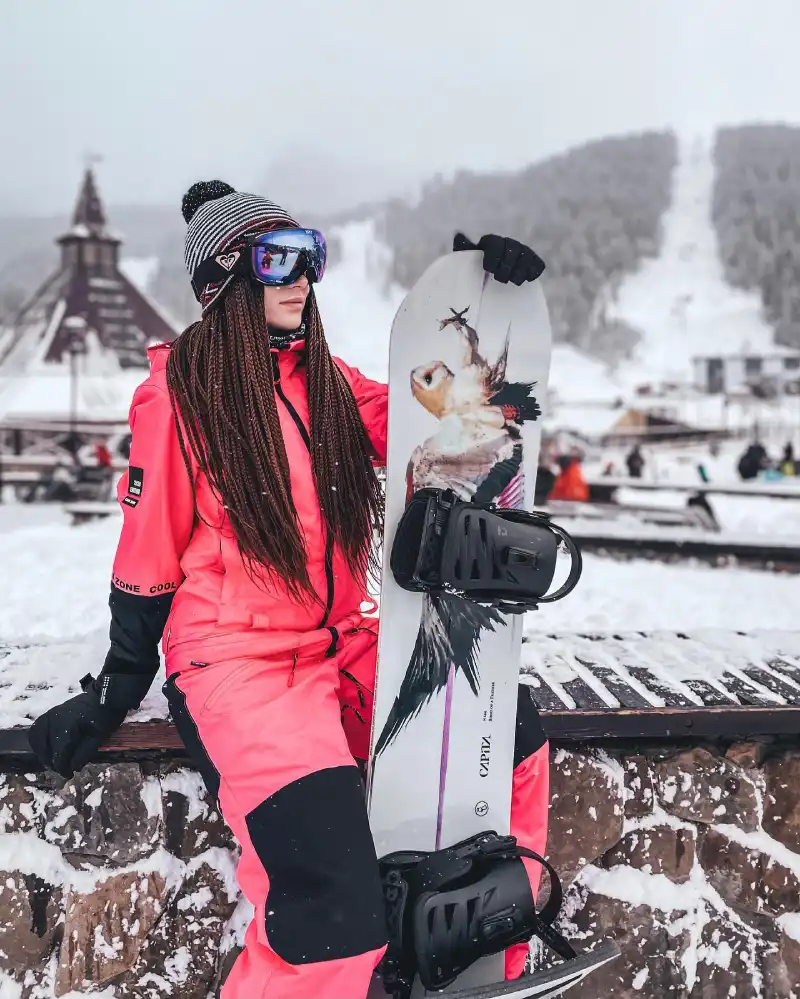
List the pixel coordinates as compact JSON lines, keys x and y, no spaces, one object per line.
{"x":218,"y":219}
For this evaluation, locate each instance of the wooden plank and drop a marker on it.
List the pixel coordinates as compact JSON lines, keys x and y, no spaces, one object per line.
{"x":789,"y":693}
{"x":745,"y":693}
{"x":606,"y":485}
{"x":625,"y":694}
{"x":671,"y":723}
{"x":133,"y":736}
{"x":767,"y":555}
{"x":710,"y":695}
{"x":787,"y":669}
{"x":543,"y":695}
{"x":562,"y":725}
{"x":583,"y":695}
{"x":145,"y":735}
{"x":672,"y":697}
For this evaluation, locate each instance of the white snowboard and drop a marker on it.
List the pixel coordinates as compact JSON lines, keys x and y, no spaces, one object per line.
{"x":468,"y":357}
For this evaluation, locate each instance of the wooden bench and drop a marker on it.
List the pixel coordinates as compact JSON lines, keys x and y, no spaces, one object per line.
{"x":86,"y":510}
{"x":664,"y":685}
{"x":608,"y":689}
{"x":715,"y":549}
{"x":603,"y":489}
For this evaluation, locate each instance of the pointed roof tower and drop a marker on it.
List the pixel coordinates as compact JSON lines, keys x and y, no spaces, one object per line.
{"x":89,"y":218}
{"x":88,"y":292}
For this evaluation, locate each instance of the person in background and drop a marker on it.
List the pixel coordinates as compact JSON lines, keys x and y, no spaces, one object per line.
{"x":102,"y":455}
{"x":570,"y":484}
{"x":754,"y":459}
{"x":635,"y":462}
{"x":787,"y":465}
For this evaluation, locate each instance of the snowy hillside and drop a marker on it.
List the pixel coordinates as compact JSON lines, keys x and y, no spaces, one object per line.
{"x":358,"y":299}
{"x":677,"y":299}
{"x":680,"y":301}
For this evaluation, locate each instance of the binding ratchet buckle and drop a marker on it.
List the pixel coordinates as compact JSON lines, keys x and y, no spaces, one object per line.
{"x":502,"y":557}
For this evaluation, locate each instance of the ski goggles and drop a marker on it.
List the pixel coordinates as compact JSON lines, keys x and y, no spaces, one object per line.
{"x":279,"y":257}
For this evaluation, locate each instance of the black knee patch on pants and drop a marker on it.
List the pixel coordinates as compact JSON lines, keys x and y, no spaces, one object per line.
{"x":325,"y":897}
{"x":530,"y":734}
{"x":190,"y":737}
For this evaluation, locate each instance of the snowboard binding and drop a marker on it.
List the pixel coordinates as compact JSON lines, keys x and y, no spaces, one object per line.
{"x":501,"y":557}
{"x":447,"y":909}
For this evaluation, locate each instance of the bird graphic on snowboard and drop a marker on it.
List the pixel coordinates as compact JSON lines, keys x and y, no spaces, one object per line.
{"x":477,"y":451}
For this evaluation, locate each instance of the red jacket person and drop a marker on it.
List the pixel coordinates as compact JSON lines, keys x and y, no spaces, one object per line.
{"x":249,"y":504}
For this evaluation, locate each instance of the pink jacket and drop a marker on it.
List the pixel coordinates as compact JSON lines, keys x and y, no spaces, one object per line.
{"x":163,"y":549}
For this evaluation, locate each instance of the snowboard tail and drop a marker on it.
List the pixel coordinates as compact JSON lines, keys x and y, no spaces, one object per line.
{"x":547,"y":982}
{"x":543,"y":984}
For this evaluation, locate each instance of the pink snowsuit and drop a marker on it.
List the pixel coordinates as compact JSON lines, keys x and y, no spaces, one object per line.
{"x":272,"y":697}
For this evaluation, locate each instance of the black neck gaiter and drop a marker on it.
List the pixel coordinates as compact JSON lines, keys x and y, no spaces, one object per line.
{"x":281,"y":339}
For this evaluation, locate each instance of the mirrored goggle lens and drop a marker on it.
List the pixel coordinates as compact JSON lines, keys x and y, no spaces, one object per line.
{"x":282,"y":256}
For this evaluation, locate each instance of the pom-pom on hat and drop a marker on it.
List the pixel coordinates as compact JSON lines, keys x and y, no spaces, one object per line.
{"x":218,"y":217}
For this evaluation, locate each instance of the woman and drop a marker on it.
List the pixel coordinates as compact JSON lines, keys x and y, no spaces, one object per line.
{"x":249,"y":507}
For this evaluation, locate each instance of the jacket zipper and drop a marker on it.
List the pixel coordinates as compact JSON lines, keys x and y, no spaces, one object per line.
{"x":328,"y":537}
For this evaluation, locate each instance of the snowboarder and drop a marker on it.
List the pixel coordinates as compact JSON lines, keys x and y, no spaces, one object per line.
{"x":250,"y":504}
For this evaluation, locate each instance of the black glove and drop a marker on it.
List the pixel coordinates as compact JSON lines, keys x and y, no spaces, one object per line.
{"x":68,"y":735}
{"x":504,"y":258}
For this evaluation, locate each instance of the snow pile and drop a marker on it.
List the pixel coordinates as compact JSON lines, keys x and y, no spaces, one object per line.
{"x":680,"y":300}
{"x":654,"y":596}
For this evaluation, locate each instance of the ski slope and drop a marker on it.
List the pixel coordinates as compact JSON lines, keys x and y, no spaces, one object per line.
{"x":358,"y":300}
{"x":680,"y":301}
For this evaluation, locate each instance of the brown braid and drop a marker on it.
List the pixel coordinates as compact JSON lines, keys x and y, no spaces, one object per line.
{"x":220,"y":379}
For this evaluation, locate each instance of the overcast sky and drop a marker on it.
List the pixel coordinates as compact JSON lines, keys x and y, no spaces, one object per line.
{"x":334,"y":100}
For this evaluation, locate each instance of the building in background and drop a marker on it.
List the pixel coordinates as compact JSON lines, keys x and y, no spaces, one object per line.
{"x":79,"y":343}
{"x":764,"y":374}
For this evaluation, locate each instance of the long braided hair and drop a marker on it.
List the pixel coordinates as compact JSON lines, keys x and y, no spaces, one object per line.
{"x":221,"y":383}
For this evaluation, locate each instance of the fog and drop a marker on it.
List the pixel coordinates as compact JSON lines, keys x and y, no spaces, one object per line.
{"x":324,"y":104}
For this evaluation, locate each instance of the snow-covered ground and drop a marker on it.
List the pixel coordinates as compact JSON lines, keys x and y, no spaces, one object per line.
{"x":57,"y":580}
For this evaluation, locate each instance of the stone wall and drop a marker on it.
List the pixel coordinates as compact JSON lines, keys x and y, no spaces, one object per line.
{"x":690,"y":861}
{"x":121,"y":882}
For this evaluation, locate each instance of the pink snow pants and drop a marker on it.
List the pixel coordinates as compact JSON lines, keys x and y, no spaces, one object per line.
{"x":276,"y":740}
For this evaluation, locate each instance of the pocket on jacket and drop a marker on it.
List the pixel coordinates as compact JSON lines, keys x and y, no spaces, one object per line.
{"x":236,"y":674}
